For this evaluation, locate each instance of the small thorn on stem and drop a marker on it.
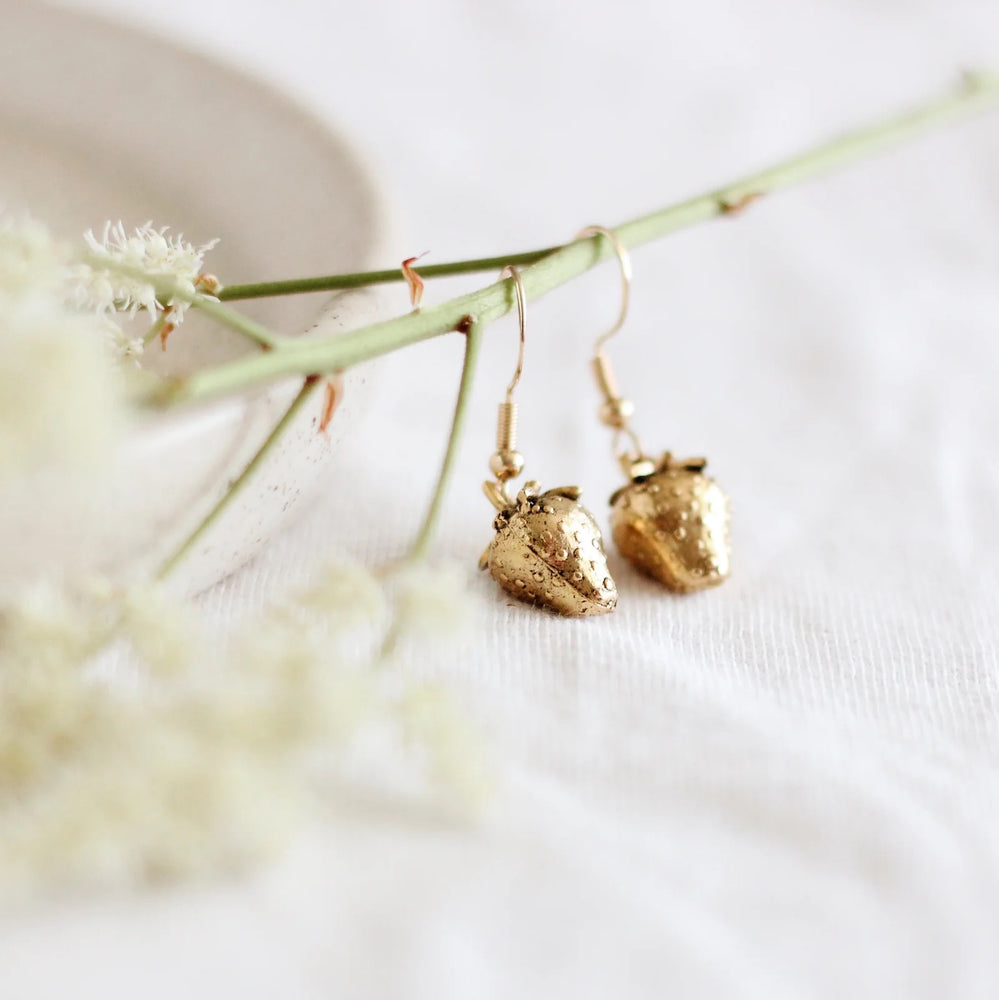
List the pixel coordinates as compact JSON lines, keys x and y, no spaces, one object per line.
{"x":331,"y":396}
{"x":734,"y":207}
{"x":414,"y":281}
{"x":465,"y":325}
{"x":166,"y":329}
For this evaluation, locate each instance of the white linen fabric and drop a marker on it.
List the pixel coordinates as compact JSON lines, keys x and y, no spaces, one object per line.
{"x":786,"y":788}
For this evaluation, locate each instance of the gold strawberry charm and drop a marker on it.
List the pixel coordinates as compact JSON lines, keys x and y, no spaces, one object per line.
{"x":548,"y":551}
{"x":672,"y":523}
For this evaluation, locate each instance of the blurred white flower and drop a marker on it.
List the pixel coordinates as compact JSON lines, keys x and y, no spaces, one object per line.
{"x":164,"y":632}
{"x":110,"y":283}
{"x":30,"y":260}
{"x":101,"y":786}
{"x":431,"y":601}
{"x":200,"y":763}
{"x":342,"y":596}
{"x":60,"y":400}
{"x":49,"y":625}
{"x":432,"y":718}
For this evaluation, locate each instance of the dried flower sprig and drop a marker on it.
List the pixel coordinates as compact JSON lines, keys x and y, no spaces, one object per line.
{"x":117,"y":276}
{"x":113,"y":288}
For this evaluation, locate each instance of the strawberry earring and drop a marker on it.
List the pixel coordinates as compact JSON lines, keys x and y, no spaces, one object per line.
{"x":547,"y":549}
{"x":670,"y":520}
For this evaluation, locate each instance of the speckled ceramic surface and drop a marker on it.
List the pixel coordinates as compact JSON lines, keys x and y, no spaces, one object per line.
{"x":115,"y":125}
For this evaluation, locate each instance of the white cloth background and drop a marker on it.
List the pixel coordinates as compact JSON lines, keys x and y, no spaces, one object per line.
{"x":787,"y":788}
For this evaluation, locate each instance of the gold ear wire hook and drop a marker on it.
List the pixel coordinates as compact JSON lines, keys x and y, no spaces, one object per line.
{"x":624,"y":261}
{"x":616,"y":411}
{"x":511,"y":272}
{"x":506,"y":462}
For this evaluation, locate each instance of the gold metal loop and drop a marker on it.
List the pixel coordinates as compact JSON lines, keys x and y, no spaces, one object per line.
{"x":616,"y":411}
{"x":512,"y":272}
{"x":624,"y":262}
{"x":634,"y":461}
{"x":506,"y":462}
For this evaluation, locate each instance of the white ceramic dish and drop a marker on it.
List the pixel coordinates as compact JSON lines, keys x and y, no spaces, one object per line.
{"x":100,"y":122}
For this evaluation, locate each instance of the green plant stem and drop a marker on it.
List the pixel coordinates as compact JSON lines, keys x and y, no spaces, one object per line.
{"x":236,"y":321}
{"x":304,"y":394}
{"x":421,"y":544}
{"x":361,"y":279}
{"x":426,"y":534}
{"x":326,"y":354}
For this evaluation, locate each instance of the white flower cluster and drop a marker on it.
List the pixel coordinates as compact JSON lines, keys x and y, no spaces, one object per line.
{"x":122,"y":273}
{"x":201,"y":763}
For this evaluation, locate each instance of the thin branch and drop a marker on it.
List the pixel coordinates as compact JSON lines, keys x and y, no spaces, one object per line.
{"x":361,"y":279}
{"x":326,"y":354}
{"x":234,"y":489}
{"x":426,"y":534}
{"x":236,"y":321}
